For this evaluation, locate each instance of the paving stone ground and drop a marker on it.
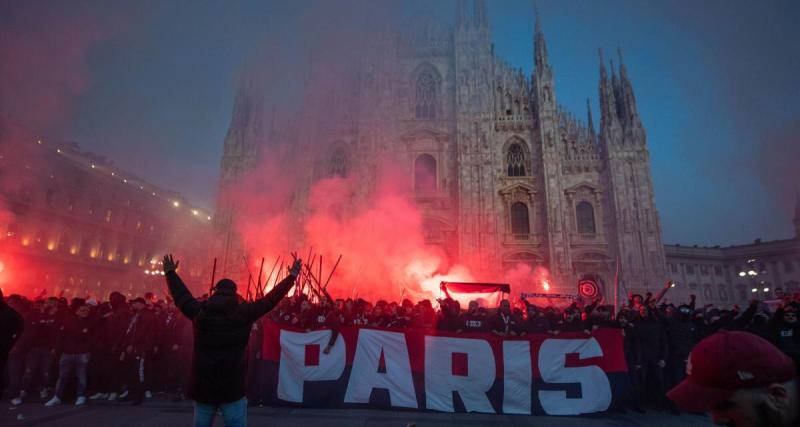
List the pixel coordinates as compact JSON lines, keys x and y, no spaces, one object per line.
{"x":160,"y":411}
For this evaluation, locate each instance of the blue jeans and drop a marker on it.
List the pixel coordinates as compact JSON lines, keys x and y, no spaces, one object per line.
{"x":234,"y":413}
{"x":68,"y":363}
{"x":37,"y":360}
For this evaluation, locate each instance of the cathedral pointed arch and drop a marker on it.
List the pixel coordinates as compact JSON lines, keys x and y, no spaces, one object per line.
{"x":517,"y":158}
{"x":427,"y":83}
{"x":338,"y":163}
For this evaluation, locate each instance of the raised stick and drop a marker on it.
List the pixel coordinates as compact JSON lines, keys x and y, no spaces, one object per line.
{"x":331,"y":275}
{"x":213,"y":275}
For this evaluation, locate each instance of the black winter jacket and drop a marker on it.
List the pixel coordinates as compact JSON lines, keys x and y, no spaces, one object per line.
{"x":652,"y":337}
{"x":221,"y":332}
{"x":75,"y":335}
{"x":11,"y":325}
{"x":682,"y":336}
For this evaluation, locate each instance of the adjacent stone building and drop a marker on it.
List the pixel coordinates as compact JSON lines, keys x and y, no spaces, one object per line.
{"x":502,"y":173}
{"x":73,"y":223}
{"x":714,"y":274}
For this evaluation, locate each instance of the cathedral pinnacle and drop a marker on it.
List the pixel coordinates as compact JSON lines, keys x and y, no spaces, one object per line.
{"x":589,"y":118}
{"x":539,"y":45}
{"x":461,"y":13}
{"x":603,"y":74}
{"x":626,"y":96}
{"x":481,"y":17}
{"x":622,"y":71}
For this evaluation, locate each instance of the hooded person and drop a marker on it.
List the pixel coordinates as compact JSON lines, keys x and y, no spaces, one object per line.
{"x":785,"y":331}
{"x":11,"y":325}
{"x":136,"y":350}
{"x":221,"y":326}
{"x":682,"y":335}
{"x":106,"y":369}
{"x":741,"y":379}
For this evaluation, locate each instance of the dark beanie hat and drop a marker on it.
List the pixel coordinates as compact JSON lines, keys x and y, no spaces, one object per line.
{"x":225,"y":287}
{"x":139,"y":300}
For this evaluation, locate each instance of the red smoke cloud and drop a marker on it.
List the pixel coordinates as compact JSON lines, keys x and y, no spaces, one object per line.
{"x":44,"y":57}
{"x":380,"y":236}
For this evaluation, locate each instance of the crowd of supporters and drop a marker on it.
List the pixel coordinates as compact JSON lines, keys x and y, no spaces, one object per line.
{"x":115,"y":350}
{"x":127,"y":350}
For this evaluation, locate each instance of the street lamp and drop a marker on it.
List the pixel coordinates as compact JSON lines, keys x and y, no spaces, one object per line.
{"x":752,"y":271}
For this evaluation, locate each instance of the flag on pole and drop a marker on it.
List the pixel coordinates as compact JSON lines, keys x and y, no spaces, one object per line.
{"x":616,"y":285}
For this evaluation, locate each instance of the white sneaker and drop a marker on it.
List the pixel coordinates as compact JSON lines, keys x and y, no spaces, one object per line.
{"x":80,"y":401}
{"x":112,"y":396}
{"x":43,"y":394}
{"x":53,"y":402}
{"x":148,"y":395}
{"x":124,"y":394}
{"x":16,"y":401}
{"x":99,"y":396}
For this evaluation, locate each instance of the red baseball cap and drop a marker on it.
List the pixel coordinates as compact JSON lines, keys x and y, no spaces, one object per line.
{"x":725,"y":362}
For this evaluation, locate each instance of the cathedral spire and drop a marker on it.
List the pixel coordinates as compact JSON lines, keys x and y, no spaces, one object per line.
{"x":603,"y":73}
{"x":609,"y":119}
{"x":539,"y":45}
{"x":461,"y":13}
{"x":627,"y":99}
{"x":623,"y":72}
{"x":589,"y":119}
{"x":479,"y":11}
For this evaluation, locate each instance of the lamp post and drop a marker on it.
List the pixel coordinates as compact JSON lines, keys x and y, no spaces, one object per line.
{"x":752,"y":270}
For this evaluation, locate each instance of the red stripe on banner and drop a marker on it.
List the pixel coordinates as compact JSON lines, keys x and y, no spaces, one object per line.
{"x":460,"y":367}
{"x":312,"y":355}
{"x":475,"y":288}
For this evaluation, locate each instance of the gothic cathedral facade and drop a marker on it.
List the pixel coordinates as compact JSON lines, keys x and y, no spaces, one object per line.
{"x":502,"y":174}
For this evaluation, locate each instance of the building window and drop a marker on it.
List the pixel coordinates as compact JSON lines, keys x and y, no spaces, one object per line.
{"x":707,"y":294}
{"x":689,"y":268}
{"x":717,"y":270}
{"x":425,"y":174}
{"x":426,"y":96}
{"x":704,"y":270}
{"x":673,"y":267}
{"x":516,"y":160}
{"x":788,"y":266}
{"x":338,"y":165}
{"x":723,"y":293}
{"x":520,"y":225}
{"x":584,"y":213}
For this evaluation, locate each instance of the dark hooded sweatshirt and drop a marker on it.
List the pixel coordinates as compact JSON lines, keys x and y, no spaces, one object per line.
{"x":221,"y":331}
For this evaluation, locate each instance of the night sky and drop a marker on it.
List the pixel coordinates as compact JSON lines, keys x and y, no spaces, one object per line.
{"x":150,"y":84}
